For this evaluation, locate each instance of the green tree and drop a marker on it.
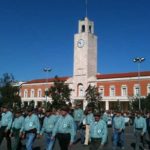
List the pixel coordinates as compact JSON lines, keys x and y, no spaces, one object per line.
{"x":60,"y":93}
{"x":145,"y":103}
{"x":9,"y":93}
{"x":93,"y":97}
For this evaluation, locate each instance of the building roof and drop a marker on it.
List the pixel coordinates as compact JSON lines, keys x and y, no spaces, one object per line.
{"x":46,"y":80}
{"x":122,"y":75}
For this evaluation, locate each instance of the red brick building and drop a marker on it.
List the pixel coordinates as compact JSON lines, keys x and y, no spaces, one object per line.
{"x":114,"y":88}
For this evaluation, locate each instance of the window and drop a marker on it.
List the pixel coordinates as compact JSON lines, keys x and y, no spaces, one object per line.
{"x":101,"y":91}
{"x":39,"y":93}
{"x":32,"y":93}
{"x":124,"y":90}
{"x":83,"y":28}
{"x":25,"y":93}
{"x":136,"y":90}
{"x":80,"y":90}
{"x":112,"y":91}
{"x":148,"y":89}
{"x":90,"y":29}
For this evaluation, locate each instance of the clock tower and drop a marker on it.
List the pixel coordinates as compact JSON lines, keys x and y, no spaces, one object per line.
{"x":85,"y":49}
{"x":85,"y":56}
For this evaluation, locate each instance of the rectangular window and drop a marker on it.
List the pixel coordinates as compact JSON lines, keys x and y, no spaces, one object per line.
{"x":101,"y":91}
{"x":124,"y":91}
{"x":148,"y":89}
{"x":136,"y":91}
{"x":112,"y":91}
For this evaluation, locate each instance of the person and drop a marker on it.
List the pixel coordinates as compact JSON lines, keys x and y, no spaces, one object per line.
{"x":30,"y":128}
{"x":47,"y":128}
{"x":15,"y":130}
{"x":89,"y":120}
{"x":78,"y":116}
{"x":139,"y":131}
{"x":41,"y":116}
{"x":6,"y":121}
{"x":118,"y":131}
{"x":148,"y":124}
{"x":64,"y":129}
{"x":98,"y":132}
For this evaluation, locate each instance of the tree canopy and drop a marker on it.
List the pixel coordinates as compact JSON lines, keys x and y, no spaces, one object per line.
{"x":93,"y":97}
{"x":9,"y":94}
{"x":59,"y":92}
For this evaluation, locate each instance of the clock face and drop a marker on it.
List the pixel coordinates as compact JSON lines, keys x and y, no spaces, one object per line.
{"x":80,"y":43}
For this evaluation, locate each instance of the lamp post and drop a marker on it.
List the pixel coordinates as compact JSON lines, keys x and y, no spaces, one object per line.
{"x":139,"y":60}
{"x":47,"y":70}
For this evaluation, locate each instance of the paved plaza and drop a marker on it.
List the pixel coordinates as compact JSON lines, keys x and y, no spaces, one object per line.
{"x":39,"y":143}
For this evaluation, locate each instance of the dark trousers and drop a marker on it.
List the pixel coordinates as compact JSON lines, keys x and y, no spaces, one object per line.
{"x":16,"y":141}
{"x":3,"y":135}
{"x":95,"y":144}
{"x":139,"y":140}
{"x":64,"y":140}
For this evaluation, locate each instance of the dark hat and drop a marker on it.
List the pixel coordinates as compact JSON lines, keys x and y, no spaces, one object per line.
{"x":48,"y":110}
{"x":97,"y":114}
{"x":30,"y":109}
{"x":89,"y":109}
{"x":65,"y":108}
{"x":5,"y":106}
{"x":18,"y":111}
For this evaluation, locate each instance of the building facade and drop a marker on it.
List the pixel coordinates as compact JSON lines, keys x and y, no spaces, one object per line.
{"x":114,"y":88}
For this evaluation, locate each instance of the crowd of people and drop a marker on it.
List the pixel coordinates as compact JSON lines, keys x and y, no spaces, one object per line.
{"x":69,"y":126}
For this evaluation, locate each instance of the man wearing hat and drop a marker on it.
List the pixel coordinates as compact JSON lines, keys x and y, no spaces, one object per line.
{"x":118,"y":131}
{"x":30,"y":128}
{"x":98,"y":132}
{"x":47,"y":128}
{"x":78,"y":117}
{"x":64,"y":129}
{"x":6,"y":121}
{"x":139,"y":131}
{"x":15,"y":130}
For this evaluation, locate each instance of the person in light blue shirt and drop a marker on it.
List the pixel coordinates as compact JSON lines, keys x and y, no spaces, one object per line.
{"x":118,"y":131}
{"x":64,"y":129}
{"x":78,"y":117}
{"x":139,"y":131}
{"x":6,"y":122}
{"x":47,"y":128}
{"x":30,"y":128}
{"x":15,"y":130}
{"x":98,"y":132}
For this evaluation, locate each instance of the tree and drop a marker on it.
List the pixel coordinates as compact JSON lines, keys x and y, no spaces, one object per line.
{"x":93,"y":97}
{"x":145,"y":103}
{"x":60,"y":93}
{"x":9,"y":94}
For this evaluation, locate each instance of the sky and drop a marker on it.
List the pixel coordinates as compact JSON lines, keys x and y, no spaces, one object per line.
{"x":35,"y":34}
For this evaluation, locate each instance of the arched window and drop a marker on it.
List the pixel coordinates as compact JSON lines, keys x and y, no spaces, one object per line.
{"x":32,"y":93}
{"x":25,"y":93}
{"x":39,"y":93}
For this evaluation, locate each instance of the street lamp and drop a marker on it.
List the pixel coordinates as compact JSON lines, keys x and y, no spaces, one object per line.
{"x":139,"y":60}
{"x":47,"y":70}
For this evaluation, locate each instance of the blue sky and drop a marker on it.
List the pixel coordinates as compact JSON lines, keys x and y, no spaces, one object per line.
{"x":39,"y":33}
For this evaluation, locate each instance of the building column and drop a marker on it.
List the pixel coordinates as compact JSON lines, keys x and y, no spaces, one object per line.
{"x":106,"y":105}
{"x":35,"y":103}
{"x":84,"y":104}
